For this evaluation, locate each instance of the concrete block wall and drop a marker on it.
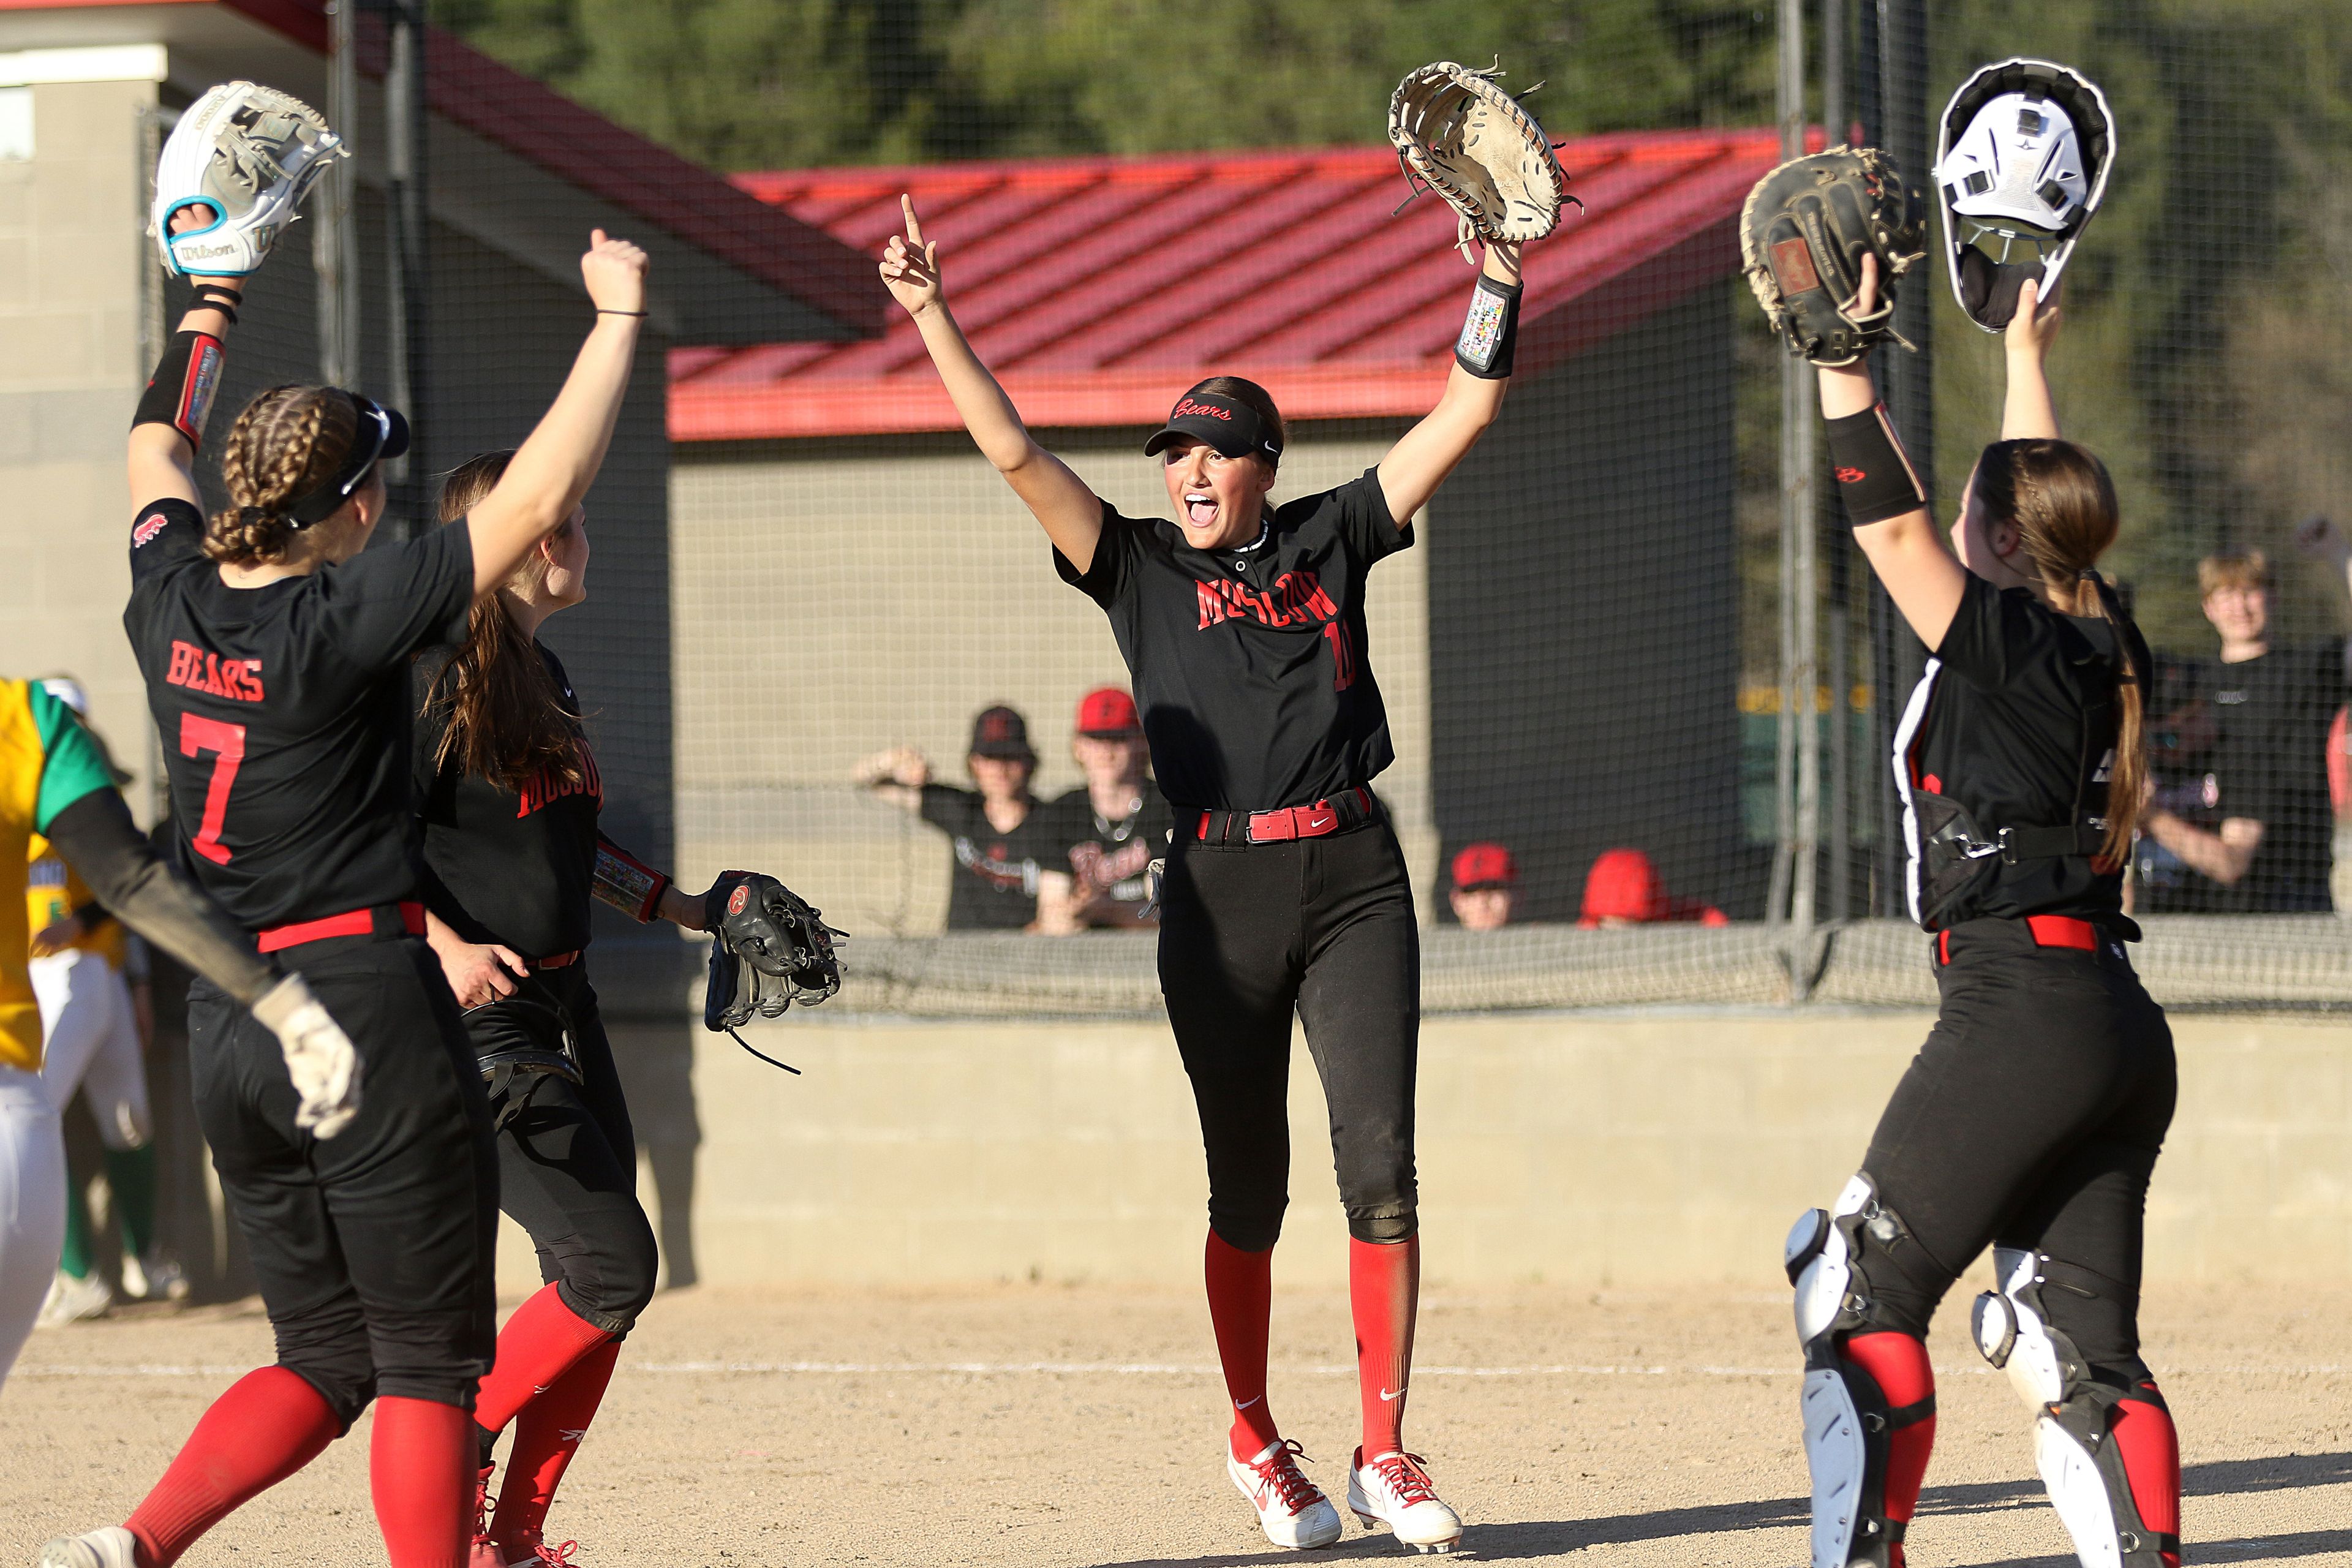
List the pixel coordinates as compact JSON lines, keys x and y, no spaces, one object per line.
{"x":1641,"y":1149}
{"x":73,"y":263}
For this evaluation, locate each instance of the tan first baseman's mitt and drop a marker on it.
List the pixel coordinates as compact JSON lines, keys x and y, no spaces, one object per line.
{"x":1460,"y":135}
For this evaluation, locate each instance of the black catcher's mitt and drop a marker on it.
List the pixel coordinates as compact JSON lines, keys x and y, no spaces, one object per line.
{"x":1802,"y":236}
{"x":769,"y":951}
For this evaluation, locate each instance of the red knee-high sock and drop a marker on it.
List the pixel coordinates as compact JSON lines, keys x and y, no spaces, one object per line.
{"x":1241,"y":1304}
{"x":269,"y":1425}
{"x":540,"y":1342}
{"x":2150,"y":1447}
{"x":547,"y":1433}
{"x":421,"y":1469}
{"x":1898,"y":1364}
{"x":1383,"y":1292}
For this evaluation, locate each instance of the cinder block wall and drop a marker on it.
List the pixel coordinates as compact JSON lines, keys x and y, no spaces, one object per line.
{"x":72,"y":265}
{"x":1660,"y":1149}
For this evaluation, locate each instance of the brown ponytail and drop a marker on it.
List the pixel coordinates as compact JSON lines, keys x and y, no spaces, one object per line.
{"x":2065,"y":507}
{"x":507,"y":722}
{"x":289,"y":441}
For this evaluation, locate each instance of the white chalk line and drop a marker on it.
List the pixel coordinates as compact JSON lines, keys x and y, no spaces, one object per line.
{"x":1131,"y":1369}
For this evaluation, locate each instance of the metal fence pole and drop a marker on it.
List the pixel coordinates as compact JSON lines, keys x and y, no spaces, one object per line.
{"x":1838,"y":901}
{"x":1798,"y":784}
{"x":334,"y":243}
{"x":408,"y":253}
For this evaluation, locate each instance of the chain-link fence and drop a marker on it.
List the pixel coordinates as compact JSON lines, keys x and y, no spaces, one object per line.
{"x":1582,"y":659}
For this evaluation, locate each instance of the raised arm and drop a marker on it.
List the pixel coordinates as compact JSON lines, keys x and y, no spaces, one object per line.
{"x":2026,"y":413}
{"x":1433,"y":449}
{"x":1884,"y":498}
{"x":1070,"y":513}
{"x":553,"y":469}
{"x":163,"y":461}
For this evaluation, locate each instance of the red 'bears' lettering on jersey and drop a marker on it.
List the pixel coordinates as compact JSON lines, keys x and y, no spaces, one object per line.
{"x":238,"y":680}
{"x":1296,"y":597}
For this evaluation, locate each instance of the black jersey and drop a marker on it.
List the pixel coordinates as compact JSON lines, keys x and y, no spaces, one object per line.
{"x":1110,"y":857}
{"x":1250,"y":665}
{"x":513,"y":867}
{"x":2013,"y":725}
{"x":284,"y":715}
{"x":2270,"y":762}
{"x":993,"y":885}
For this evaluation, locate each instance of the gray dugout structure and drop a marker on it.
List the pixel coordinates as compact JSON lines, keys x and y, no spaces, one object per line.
{"x":517,"y":176}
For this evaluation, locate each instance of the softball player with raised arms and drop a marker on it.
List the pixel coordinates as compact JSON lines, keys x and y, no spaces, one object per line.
{"x":2031,"y":1118}
{"x":276,"y":649}
{"x":509,"y":794}
{"x":1242,"y":626}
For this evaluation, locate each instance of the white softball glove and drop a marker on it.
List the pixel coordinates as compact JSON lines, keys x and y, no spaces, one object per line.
{"x":250,"y":153}
{"x":319,"y":1058}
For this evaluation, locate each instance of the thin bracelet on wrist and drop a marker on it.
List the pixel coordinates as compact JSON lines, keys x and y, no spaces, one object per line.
{"x":604,"y":312}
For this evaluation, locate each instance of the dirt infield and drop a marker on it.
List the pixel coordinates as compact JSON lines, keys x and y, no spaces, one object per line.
{"x":1044,"y":1424}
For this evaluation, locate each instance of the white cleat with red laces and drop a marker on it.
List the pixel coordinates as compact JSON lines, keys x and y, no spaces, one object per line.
{"x":112,"y":1547}
{"x":1291,"y":1510}
{"x":1394,"y":1491}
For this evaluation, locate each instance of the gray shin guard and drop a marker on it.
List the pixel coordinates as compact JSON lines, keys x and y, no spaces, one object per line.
{"x":1845,"y":1413}
{"x":2073,"y":1444}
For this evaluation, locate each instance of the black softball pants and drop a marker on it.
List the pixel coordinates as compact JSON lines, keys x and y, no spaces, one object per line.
{"x":1250,"y":935}
{"x":375,"y":1249}
{"x":568,"y":1173}
{"x":2030,"y":1119}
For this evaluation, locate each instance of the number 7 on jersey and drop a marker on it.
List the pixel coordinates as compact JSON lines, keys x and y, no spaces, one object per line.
{"x":198,"y":735}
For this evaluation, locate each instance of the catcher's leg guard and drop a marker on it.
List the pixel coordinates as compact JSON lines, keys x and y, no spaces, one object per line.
{"x":1851,"y":1424}
{"x":2079,"y":1421}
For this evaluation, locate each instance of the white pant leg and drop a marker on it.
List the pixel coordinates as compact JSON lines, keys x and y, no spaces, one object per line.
{"x":116,"y":1080}
{"x":32,"y":1206}
{"x":75,"y":1018}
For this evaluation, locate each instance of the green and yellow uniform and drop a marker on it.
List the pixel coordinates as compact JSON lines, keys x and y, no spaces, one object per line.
{"x":47,"y":762}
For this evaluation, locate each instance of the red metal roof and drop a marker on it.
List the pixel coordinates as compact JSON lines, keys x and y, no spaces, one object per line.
{"x":1097,"y":287}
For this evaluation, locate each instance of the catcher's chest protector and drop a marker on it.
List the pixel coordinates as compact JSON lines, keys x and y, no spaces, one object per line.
{"x":2022,"y":164}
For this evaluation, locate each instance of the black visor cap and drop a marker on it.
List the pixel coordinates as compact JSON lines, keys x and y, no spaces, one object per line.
{"x":383,"y":434}
{"x":1233,"y":428}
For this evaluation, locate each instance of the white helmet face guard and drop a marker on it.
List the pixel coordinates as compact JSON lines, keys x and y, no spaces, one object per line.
{"x":2022,"y":164}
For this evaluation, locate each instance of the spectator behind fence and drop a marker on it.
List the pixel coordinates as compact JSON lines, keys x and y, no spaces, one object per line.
{"x":1006,"y":842}
{"x":1485,"y":887}
{"x":1119,"y":820}
{"x":2254,"y":832}
{"x":1625,"y":889}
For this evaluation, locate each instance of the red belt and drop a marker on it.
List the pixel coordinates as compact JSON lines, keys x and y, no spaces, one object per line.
{"x":556,"y":961}
{"x":2049,"y":930}
{"x":351,"y":923}
{"x":1317,"y":821}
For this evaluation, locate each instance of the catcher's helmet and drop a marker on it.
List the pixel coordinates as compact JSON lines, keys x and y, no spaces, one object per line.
{"x":2021,"y":163}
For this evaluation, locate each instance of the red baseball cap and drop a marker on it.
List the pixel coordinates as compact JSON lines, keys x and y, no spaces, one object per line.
{"x":1483,"y":865}
{"x":1623,"y":886}
{"x":1108,"y":713}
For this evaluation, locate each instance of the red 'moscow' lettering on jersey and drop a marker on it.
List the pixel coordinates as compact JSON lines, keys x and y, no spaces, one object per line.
{"x":1296,"y":598}
{"x":548,"y":785}
{"x":238,"y":680}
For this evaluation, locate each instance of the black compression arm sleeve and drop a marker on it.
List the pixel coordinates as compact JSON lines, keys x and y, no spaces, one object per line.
{"x":1873,"y":473}
{"x":98,"y":838}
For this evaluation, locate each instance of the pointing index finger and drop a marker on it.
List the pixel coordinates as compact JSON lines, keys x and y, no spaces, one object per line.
{"x":914,"y":223}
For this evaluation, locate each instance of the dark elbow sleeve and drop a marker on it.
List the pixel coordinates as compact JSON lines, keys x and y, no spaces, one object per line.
{"x":98,"y":838}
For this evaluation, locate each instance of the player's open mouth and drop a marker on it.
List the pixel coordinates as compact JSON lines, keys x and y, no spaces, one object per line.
{"x":1200,"y":510}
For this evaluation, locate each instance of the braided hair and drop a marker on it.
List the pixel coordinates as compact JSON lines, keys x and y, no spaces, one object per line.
{"x":2063,"y":506}
{"x":289,"y":440}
